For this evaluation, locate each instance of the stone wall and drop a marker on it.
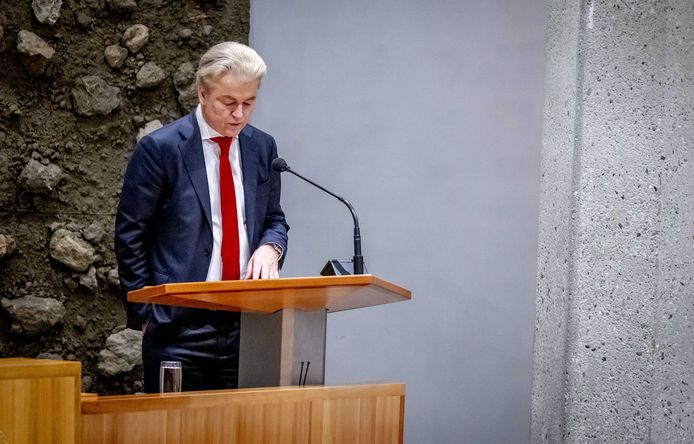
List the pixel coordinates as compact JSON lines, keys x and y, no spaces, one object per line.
{"x":614,"y":348}
{"x":81,"y":80}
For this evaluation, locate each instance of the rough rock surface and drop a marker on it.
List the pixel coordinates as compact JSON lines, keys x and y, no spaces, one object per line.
{"x":150,"y":76}
{"x":122,"y":352}
{"x":185,"y":33}
{"x":115,"y":55}
{"x":83,"y":20}
{"x":7,"y":245}
{"x":94,"y":232}
{"x":93,"y":96}
{"x":39,"y":178}
{"x":136,"y":37}
{"x":88,"y":280}
{"x":47,"y":11}
{"x":184,"y":82}
{"x":53,"y":356}
{"x":113,"y":279}
{"x":71,"y":250}
{"x":34,"y":52}
{"x":188,"y":98}
{"x":32,"y":315}
{"x":148,"y":128}
{"x":39,"y":120}
{"x":122,"y":5}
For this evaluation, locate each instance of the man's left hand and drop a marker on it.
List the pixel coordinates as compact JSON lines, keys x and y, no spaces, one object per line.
{"x":263,"y":264}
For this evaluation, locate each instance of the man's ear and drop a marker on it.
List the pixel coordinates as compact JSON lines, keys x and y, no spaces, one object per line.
{"x":202,"y":94}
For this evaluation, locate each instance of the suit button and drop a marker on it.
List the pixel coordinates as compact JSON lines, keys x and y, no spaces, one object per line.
{"x":206,"y":252}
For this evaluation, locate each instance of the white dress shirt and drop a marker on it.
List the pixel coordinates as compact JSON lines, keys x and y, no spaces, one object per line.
{"x":212,"y":152}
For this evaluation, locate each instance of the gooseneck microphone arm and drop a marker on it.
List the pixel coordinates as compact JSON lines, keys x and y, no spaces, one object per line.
{"x":280,"y":165}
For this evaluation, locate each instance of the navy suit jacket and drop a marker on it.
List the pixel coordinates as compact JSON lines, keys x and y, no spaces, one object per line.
{"x":163,"y":228}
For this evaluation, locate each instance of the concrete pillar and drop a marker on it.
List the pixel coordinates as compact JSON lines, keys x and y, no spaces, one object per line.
{"x":614,"y":340}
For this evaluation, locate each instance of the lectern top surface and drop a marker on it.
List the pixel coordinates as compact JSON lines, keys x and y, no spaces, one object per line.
{"x":332,"y":293}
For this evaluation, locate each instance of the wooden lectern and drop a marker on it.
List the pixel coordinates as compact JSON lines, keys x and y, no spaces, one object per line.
{"x":283,"y":321}
{"x":40,"y":404}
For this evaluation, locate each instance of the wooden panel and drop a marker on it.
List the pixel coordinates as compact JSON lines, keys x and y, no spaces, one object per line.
{"x":333,"y":293}
{"x":39,"y":401}
{"x":354,"y":415}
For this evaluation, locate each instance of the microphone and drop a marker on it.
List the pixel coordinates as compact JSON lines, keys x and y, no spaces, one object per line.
{"x":280,"y":165}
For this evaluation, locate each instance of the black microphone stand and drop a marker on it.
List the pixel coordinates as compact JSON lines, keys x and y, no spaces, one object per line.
{"x":358,"y":259}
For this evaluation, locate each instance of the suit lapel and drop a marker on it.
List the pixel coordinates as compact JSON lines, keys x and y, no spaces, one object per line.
{"x":194,"y":160}
{"x":249,"y":166}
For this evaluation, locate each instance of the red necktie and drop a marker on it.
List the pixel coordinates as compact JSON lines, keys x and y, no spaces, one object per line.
{"x":231,"y":269}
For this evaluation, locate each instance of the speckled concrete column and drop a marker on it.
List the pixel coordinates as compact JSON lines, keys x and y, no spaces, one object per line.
{"x":614,"y":346}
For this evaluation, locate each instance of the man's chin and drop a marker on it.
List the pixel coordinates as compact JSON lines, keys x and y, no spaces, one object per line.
{"x":233,"y":130}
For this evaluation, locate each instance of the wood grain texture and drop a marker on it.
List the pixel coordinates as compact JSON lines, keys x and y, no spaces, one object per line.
{"x":316,"y":415}
{"x":333,"y":293}
{"x":39,"y":401}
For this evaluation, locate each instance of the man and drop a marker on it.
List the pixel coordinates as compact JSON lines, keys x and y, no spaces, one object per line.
{"x":199,"y":196}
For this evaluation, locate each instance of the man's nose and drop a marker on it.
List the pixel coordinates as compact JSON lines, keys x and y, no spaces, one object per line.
{"x":238,"y":111}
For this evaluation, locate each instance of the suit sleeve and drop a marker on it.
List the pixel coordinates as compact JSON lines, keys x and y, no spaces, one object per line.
{"x":275,"y":226}
{"x":135,"y":220}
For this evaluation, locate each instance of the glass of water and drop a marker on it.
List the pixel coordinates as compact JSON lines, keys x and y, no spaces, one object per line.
{"x":170,"y":376}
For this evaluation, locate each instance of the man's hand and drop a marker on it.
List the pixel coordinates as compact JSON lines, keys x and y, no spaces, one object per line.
{"x":263,"y":264}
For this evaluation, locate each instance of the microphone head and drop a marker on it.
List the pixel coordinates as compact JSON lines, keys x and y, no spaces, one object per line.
{"x":280,"y":165}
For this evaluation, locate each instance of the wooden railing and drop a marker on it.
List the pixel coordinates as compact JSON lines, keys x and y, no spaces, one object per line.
{"x":40,"y":403}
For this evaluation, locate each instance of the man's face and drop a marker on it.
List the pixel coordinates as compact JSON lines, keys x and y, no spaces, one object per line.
{"x":227,"y":103}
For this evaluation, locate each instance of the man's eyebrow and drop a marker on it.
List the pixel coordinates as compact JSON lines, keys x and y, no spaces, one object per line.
{"x":226,"y":96}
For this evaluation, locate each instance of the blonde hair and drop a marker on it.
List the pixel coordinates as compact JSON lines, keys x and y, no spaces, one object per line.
{"x":229,"y":57}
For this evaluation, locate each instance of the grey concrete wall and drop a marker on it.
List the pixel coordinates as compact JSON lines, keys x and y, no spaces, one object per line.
{"x":614,"y":345}
{"x":427,"y":116}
